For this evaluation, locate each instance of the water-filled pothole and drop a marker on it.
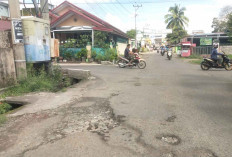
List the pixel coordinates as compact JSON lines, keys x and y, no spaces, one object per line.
{"x":170,"y":139}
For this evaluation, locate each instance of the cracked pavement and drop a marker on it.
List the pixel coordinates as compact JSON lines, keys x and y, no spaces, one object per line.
{"x":169,"y":109}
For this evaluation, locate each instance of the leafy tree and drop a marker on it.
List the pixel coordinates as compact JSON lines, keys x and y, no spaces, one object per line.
{"x":229,"y":26}
{"x":220,"y":24}
{"x":84,"y":40}
{"x":100,"y":39}
{"x":176,"y":20}
{"x":225,"y":11}
{"x":131,"y":33}
{"x":176,"y":35}
{"x":176,"y":17}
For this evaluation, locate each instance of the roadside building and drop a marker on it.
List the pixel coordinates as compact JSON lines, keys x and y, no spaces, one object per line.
{"x":5,"y":23}
{"x":204,"y":42}
{"x":69,"y":22}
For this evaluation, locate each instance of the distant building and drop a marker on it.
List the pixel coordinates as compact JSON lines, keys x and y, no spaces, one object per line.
{"x":4,"y":11}
{"x":5,"y":24}
{"x":221,"y":38}
{"x":198,"y":32}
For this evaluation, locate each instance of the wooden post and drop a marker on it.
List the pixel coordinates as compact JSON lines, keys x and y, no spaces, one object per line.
{"x":18,"y":46}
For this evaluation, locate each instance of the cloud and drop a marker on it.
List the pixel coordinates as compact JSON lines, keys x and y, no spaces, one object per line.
{"x":117,"y":22}
{"x":201,"y":17}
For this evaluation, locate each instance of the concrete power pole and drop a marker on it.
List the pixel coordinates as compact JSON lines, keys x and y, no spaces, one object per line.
{"x":136,"y":9}
{"x":17,"y":38}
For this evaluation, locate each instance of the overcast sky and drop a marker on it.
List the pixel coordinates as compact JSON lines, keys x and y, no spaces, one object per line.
{"x":120,"y":13}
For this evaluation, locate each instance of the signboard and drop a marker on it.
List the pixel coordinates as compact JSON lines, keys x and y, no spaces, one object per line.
{"x":18,"y":30}
{"x":206,"y":41}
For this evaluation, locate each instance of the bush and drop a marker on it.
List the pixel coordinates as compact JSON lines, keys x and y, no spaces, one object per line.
{"x":39,"y":80}
{"x":110,"y":54}
{"x":100,"y":57}
{"x":82,"y":53}
{"x":4,"y":107}
{"x":107,"y":55}
{"x":94,"y":54}
{"x":68,"y":55}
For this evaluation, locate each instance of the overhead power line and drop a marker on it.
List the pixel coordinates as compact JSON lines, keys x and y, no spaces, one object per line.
{"x":123,"y":7}
{"x":142,"y":2}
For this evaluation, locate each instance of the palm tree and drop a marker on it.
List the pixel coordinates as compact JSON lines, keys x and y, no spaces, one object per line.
{"x":176,"y":17}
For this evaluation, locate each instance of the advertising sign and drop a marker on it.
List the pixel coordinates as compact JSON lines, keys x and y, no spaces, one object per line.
{"x":18,"y":30}
{"x":206,"y":41}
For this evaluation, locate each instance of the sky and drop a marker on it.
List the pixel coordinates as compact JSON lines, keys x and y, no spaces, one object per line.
{"x":121,"y":13}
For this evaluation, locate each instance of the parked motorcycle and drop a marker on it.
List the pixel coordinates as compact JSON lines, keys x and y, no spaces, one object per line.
{"x":137,"y":61}
{"x":208,"y":63}
{"x":169,"y":54}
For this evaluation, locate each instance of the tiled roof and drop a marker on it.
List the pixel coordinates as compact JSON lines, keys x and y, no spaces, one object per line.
{"x":89,"y":16}
{"x":5,"y":25}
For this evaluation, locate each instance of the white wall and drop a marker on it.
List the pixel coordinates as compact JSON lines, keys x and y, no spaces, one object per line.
{"x":121,"y":48}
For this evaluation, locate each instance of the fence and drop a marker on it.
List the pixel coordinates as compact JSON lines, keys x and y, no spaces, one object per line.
{"x":75,"y":51}
{"x":202,"y":50}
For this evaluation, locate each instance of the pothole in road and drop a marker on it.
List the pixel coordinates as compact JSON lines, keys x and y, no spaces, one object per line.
{"x":171,"y":119}
{"x":168,"y":155}
{"x":170,"y":139}
{"x":91,"y":114}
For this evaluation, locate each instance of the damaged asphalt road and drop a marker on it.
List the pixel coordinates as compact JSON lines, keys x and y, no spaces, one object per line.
{"x":169,"y":109}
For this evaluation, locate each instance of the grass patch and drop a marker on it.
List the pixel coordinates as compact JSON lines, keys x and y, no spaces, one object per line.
{"x":230,"y":56}
{"x":194,"y":56}
{"x":4,"y":108}
{"x":2,"y":119}
{"x":37,"y":81}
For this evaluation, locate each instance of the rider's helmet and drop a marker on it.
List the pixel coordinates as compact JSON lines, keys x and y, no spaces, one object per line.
{"x":215,"y":45}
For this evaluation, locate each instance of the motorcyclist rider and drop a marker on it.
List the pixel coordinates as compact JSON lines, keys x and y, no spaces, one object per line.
{"x":127,"y":54}
{"x":214,"y":55}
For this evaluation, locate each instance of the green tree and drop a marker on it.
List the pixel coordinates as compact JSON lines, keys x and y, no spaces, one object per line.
{"x":131,"y":33}
{"x":176,"y":35}
{"x":176,"y":17}
{"x":101,"y":39}
{"x":218,"y":25}
{"x":229,"y":26}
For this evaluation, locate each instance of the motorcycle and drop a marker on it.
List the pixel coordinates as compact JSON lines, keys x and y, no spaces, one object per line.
{"x":137,"y":61}
{"x":169,"y":54}
{"x":208,"y":63}
{"x":162,"y":52}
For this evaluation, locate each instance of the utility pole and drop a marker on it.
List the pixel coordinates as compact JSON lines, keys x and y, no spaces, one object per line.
{"x":44,"y":9}
{"x":17,"y":39}
{"x":136,"y":9}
